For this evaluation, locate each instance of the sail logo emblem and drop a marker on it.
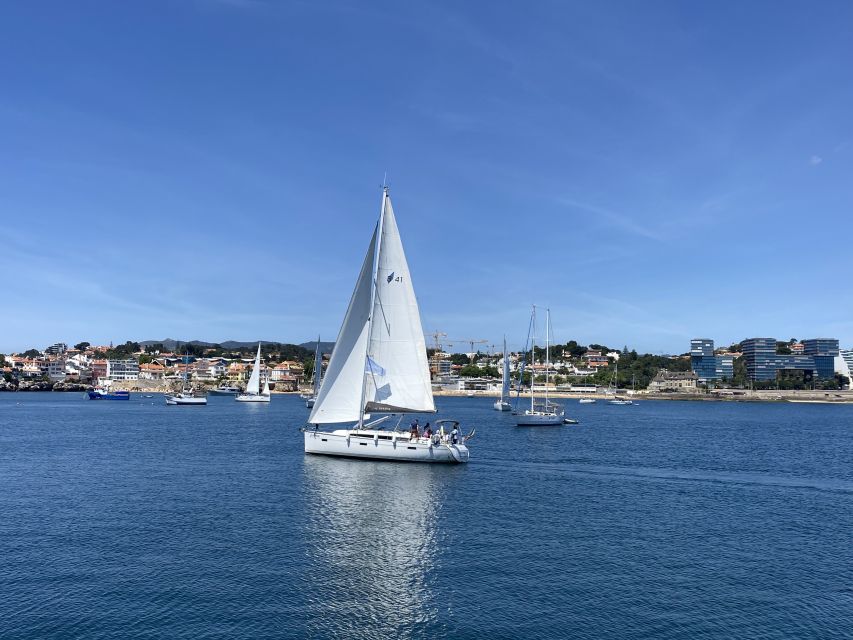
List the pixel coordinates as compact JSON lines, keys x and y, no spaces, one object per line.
{"x":391,"y":277}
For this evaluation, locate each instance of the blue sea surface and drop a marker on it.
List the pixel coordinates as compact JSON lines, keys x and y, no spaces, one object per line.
{"x":660,"y":520}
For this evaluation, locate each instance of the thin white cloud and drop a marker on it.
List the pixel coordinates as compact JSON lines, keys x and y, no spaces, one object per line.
{"x":815,"y":160}
{"x":615,"y":219}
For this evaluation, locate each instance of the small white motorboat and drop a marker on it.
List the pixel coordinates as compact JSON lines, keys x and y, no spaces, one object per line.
{"x":225,"y":390}
{"x":185,"y":398}
{"x":586,"y":401}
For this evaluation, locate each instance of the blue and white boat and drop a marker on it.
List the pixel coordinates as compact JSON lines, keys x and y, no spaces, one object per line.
{"x":100,"y":393}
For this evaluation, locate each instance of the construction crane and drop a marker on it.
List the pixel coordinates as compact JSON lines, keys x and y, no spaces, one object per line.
{"x":440,"y":340}
{"x":469,"y":341}
{"x":436,"y":338}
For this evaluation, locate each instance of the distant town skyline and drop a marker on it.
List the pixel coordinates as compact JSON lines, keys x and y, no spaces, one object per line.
{"x":210,"y":169}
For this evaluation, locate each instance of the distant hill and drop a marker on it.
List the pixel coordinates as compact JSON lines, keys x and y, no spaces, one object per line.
{"x":171,"y":343}
{"x":325,"y":347}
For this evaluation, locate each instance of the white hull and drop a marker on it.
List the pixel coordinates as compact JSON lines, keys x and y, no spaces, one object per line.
{"x":502,"y":406}
{"x":224,"y":391}
{"x":620,"y":402}
{"x":586,"y":401}
{"x":185,"y":400}
{"x":252,"y":397}
{"x":309,"y":402}
{"x":382,"y":445}
{"x":539,"y":419}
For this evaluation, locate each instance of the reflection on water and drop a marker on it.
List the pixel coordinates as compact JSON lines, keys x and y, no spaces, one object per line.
{"x":374,"y":543}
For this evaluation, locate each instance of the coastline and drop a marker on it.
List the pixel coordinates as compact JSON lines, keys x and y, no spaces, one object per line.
{"x":745,"y":395}
{"x":794,"y":396}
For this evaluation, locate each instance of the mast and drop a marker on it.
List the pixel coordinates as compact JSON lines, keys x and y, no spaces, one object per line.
{"x":380,"y":231}
{"x":533,"y":360}
{"x":186,"y":369}
{"x":318,"y":368}
{"x":505,"y":376}
{"x":547,"y":352}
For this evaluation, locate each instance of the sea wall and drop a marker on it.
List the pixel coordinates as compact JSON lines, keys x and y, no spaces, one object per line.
{"x":39,"y":385}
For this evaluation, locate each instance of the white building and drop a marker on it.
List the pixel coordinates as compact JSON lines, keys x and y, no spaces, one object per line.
{"x":56,"y":369}
{"x":152,"y":371}
{"x":122,"y":370}
{"x":56,"y":349}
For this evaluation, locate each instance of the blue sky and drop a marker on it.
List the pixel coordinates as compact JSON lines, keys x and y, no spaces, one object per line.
{"x":210,"y":169}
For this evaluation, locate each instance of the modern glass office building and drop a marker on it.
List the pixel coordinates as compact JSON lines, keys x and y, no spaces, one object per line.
{"x":824,"y":351}
{"x":763,"y":363}
{"x":706,"y":365}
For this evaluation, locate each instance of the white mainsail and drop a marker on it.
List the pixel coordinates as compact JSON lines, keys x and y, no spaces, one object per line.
{"x":253,"y":387}
{"x":379,"y":362}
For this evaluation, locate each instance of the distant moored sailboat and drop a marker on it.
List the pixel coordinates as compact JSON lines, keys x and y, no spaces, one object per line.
{"x":253,"y":387}
{"x":318,"y":376}
{"x":502,"y":403}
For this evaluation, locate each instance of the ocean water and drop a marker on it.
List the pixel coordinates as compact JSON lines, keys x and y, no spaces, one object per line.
{"x":661,"y":520}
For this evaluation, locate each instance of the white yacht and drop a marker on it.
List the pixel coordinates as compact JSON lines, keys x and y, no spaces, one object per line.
{"x":543,"y":413}
{"x":225,"y":390}
{"x":586,"y":401}
{"x":503,"y":403}
{"x":253,"y":387}
{"x":186,"y":396}
{"x":615,"y":388}
{"x":379,"y":365}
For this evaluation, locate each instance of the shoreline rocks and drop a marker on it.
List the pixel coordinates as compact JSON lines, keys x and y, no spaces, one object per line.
{"x":40,"y":385}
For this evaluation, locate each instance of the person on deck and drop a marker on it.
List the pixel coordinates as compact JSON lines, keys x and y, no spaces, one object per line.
{"x":454,"y":436}
{"x":414,"y":434}
{"x":427,"y":431}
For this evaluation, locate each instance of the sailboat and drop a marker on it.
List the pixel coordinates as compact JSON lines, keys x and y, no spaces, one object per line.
{"x":318,"y":376}
{"x":379,"y":365}
{"x":614,"y":390}
{"x":544,"y":413}
{"x":503,"y":404}
{"x":253,"y":387}
{"x":186,"y":396}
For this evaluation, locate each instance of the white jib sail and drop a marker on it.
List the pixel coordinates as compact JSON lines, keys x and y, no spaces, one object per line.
{"x":340,"y":393}
{"x":505,"y":385}
{"x":254,"y":384}
{"x":396,"y":367}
